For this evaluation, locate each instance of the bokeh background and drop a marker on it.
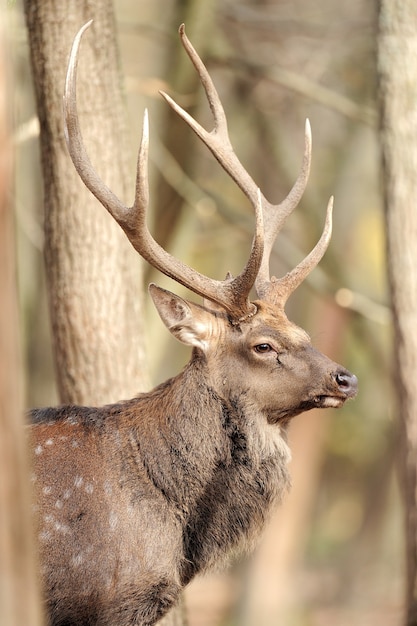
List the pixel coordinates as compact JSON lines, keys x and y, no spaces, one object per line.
{"x":333,"y":552}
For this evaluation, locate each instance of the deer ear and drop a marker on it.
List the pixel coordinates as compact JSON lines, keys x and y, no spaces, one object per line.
{"x":190,"y":323}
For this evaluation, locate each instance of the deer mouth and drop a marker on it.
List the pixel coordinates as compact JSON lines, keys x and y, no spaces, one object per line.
{"x":324,"y":401}
{"x":329,"y":402}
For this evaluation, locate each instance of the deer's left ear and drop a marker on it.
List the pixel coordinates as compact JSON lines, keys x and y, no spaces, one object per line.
{"x":190,"y":323}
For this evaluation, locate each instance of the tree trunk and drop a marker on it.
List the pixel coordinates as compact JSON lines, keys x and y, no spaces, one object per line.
{"x":397,"y":59}
{"x":92,"y":273}
{"x":18,"y":578}
{"x":94,"y":288}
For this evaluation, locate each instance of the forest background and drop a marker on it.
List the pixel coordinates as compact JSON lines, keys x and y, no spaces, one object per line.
{"x":334,"y":551}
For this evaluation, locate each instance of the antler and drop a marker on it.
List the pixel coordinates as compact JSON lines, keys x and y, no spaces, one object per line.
{"x":231,"y":294}
{"x":274,"y":290}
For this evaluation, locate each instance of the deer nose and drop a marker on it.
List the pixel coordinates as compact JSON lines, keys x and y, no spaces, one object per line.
{"x":347,"y":383}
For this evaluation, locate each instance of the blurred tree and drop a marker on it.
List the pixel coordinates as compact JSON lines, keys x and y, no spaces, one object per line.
{"x":18,"y":577}
{"x":398,"y":98}
{"x":93,"y":281}
{"x":92,"y":273}
{"x":183,"y":80}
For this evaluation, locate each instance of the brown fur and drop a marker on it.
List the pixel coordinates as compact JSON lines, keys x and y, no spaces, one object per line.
{"x":134,"y":499}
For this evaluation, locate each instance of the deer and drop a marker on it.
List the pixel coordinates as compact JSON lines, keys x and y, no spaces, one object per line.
{"x":135,"y":498}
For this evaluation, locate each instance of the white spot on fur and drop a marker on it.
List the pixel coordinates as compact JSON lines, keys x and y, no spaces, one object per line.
{"x":67,"y":494}
{"x":89,"y":488}
{"x":49,"y":442}
{"x":113,"y":520}
{"x":59,"y":504}
{"x":74,"y":443}
{"x":45,"y":535}
{"x":63,"y":529}
{"x":47,"y":490}
{"x":38,"y":450}
{"x":78,"y":481}
{"x":77,"y":560}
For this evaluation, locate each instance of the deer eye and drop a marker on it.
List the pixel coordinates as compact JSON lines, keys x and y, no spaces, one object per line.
{"x":263,"y":348}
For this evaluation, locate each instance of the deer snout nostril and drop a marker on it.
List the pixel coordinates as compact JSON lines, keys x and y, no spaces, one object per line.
{"x":347,"y":382}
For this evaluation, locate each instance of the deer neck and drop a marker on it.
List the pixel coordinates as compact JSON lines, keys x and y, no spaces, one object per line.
{"x":209,"y":450}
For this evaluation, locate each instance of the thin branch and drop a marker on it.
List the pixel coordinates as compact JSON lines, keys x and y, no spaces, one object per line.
{"x":304,"y":87}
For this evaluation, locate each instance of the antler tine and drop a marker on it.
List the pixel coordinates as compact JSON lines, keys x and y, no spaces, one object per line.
{"x":277,"y":291}
{"x":217,"y":140}
{"x":74,"y":139}
{"x":275,"y":216}
{"x":232,"y":294}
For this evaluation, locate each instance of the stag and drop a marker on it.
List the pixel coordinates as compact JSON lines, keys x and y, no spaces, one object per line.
{"x":135,"y":498}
